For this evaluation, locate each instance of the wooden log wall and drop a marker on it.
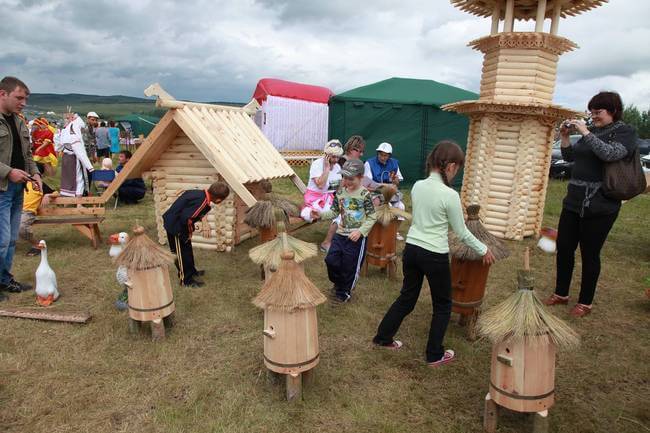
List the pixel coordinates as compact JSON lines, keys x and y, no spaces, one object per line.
{"x":508,"y":159}
{"x":519,"y":75}
{"x":181,"y":167}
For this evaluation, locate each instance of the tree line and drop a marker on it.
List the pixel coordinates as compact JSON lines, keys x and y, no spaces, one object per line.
{"x":639,"y":119}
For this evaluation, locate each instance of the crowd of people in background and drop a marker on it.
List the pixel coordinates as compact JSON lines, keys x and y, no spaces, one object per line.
{"x":341,"y":189}
{"x":35,"y":150}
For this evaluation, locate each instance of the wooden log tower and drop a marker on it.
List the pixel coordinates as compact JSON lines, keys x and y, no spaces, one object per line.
{"x":512,"y":123}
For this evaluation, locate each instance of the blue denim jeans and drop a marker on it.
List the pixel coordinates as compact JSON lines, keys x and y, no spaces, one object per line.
{"x":11,"y":206}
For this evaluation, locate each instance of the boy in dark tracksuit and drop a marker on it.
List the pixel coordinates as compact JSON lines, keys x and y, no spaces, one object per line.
{"x":346,"y":253}
{"x":179,"y":222}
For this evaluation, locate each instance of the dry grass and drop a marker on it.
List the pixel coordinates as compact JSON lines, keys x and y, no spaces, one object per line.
{"x":208,"y":375}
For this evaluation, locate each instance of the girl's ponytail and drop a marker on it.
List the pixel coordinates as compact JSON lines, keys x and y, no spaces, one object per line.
{"x":444,"y":153}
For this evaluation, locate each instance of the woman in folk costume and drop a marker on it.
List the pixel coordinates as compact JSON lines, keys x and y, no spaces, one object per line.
{"x":43,"y":146}
{"x":75,"y":162}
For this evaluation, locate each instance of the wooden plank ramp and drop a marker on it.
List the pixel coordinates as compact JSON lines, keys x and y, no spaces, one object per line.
{"x":39,"y":314}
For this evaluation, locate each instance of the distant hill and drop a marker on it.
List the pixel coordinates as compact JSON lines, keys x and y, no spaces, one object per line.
{"x":107,"y":107}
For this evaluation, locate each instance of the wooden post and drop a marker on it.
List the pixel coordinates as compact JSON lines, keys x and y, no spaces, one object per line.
{"x":496,"y":15}
{"x":294,"y":386}
{"x":540,"y":422}
{"x":308,"y":377}
{"x":490,"y":414}
{"x":555,"y":21}
{"x":134,"y":326}
{"x":508,"y":24}
{"x":541,"y":13}
{"x":157,"y":329}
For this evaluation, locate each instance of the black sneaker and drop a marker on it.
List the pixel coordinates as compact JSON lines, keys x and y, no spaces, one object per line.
{"x":199,"y":273}
{"x":194,"y":283}
{"x":16,"y":287}
{"x":338,"y":300}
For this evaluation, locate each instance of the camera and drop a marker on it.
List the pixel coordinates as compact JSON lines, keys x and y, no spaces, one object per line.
{"x":568,"y":125}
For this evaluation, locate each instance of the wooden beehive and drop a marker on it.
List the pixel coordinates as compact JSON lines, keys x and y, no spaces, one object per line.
{"x":381,"y":248}
{"x":291,"y":340}
{"x":522,"y":374}
{"x":468,"y":280}
{"x":150,"y":294}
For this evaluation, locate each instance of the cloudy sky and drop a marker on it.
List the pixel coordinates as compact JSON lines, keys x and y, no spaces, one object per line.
{"x":218,"y":50}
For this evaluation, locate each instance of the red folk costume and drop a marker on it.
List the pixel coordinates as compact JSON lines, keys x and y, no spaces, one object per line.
{"x":43,"y":143}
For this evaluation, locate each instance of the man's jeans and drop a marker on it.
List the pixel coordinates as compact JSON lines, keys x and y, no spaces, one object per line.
{"x":11,"y":206}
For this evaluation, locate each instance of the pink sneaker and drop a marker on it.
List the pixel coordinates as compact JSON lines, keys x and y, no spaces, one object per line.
{"x":449,"y":356}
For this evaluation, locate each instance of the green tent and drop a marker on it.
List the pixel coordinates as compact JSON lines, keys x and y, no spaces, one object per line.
{"x":405,"y":113}
{"x":140,"y":123}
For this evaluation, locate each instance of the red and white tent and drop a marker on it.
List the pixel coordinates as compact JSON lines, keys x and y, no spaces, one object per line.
{"x":293,"y":116}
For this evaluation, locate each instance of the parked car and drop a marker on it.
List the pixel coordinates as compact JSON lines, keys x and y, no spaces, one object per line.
{"x":644,"y":146}
{"x":561,"y":169}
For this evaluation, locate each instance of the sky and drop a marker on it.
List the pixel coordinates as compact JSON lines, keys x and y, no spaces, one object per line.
{"x":214,"y":50}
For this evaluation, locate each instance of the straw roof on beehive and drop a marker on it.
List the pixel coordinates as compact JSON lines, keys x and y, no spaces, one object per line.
{"x":527,"y":9}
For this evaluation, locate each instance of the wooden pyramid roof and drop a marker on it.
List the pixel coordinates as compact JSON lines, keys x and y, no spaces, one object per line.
{"x":527,"y":9}
{"x":226,"y":136}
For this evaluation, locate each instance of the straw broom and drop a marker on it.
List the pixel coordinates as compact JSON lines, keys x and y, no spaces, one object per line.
{"x":289,"y":288}
{"x":262,"y":215}
{"x":141,"y":253}
{"x":386,"y":213}
{"x":522,"y":314}
{"x":461,"y":251}
{"x":269,"y":253}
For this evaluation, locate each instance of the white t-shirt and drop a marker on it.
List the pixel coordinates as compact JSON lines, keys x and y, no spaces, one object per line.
{"x":316,"y":170}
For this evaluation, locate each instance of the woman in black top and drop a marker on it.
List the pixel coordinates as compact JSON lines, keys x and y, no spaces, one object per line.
{"x":587,"y":214}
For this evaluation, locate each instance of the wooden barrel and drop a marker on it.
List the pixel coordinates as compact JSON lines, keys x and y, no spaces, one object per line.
{"x":150,"y":294}
{"x":522,"y":375}
{"x":290,"y":340}
{"x":381,"y":244}
{"x":468,"y":279}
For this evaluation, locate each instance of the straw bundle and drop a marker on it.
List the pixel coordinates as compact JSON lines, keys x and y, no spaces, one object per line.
{"x":141,"y":253}
{"x":262,"y":214}
{"x":522,"y":314}
{"x":289,"y":288}
{"x":270,"y":253}
{"x":386,"y":213}
{"x":461,"y":251}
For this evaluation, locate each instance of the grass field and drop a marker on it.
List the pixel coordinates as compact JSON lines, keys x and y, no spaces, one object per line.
{"x":208,"y":375}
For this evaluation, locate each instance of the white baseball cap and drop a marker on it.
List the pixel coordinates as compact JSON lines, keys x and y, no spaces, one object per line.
{"x":92,"y":114}
{"x":385,"y":147}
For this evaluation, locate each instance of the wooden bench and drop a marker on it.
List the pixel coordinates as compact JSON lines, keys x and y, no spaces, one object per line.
{"x":86,"y":225}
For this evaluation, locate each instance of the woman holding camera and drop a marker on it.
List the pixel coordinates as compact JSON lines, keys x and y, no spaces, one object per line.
{"x":587,"y":214}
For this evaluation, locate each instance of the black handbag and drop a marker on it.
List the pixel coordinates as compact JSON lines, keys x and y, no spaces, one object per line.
{"x":624,"y":179}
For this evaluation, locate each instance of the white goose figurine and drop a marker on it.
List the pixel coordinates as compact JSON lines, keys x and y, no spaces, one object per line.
{"x":117,"y":241}
{"x":46,"y":288}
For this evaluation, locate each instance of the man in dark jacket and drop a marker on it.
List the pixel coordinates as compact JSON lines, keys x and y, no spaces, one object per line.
{"x":179,"y":220}
{"x":131,"y":190}
{"x":16,"y":168}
